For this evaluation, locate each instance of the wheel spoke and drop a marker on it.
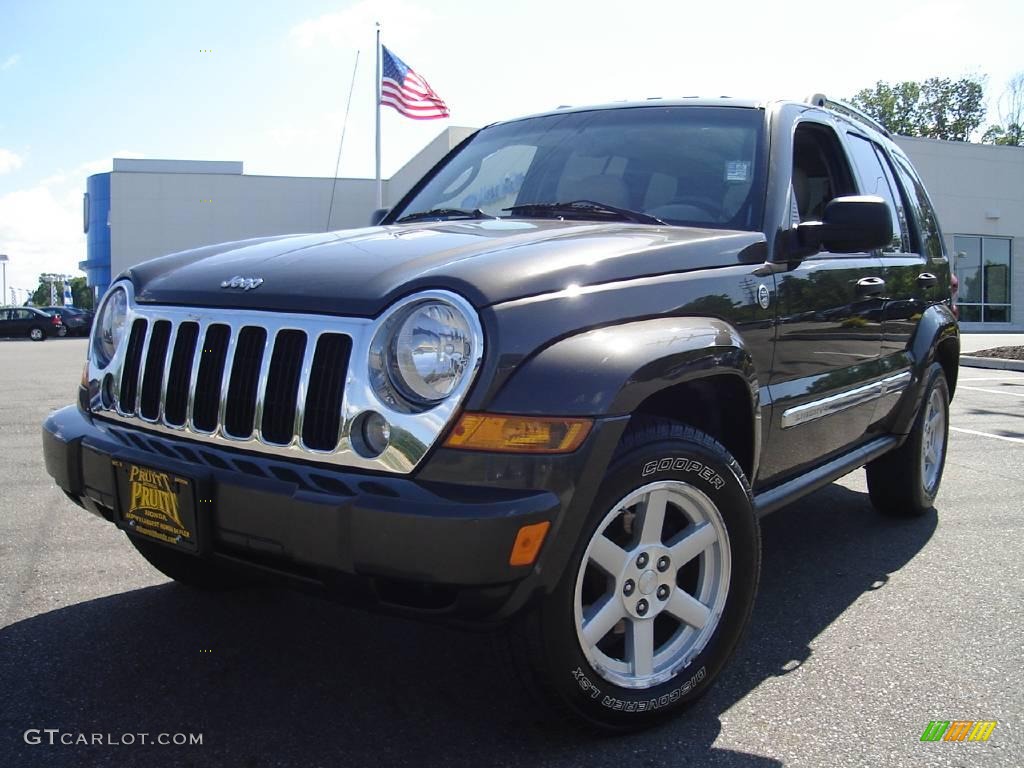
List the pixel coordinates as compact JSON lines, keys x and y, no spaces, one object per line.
{"x":608,"y":555}
{"x":653,"y":516}
{"x":688,"y":609}
{"x":692,"y":543}
{"x":603,"y":619}
{"x":640,"y":650}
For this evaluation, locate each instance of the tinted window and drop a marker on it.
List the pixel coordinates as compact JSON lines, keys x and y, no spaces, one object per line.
{"x":874,"y":181}
{"x":820,"y":171}
{"x":685,"y":165}
{"x":927,"y":237}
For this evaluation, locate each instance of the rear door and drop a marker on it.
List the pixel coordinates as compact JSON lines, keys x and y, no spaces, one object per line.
{"x":829,"y":338}
{"x":917,"y":277}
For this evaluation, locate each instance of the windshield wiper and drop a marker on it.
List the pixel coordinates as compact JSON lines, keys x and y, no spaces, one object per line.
{"x":584,"y":206}
{"x":444,"y":213}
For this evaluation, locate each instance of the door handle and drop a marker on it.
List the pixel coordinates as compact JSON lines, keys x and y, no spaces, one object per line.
{"x":870,"y":286}
{"x":927,"y":280}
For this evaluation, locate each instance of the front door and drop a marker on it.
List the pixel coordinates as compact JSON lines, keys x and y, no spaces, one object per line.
{"x":829,"y":338}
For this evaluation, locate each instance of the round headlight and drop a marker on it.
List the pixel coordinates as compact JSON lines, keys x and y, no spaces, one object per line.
{"x":110,"y":326}
{"x":429,"y":351}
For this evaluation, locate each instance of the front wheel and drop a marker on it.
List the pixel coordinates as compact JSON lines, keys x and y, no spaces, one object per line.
{"x":659,"y":589}
{"x":37,"y":334}
{"x":905,"y":482}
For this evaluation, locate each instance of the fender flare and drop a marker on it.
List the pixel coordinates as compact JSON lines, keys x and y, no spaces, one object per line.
{"x":609,"y":371}
{"x":938,"y":327}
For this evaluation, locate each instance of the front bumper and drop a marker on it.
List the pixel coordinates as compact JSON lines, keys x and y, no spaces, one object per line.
{"x":437,"y":543}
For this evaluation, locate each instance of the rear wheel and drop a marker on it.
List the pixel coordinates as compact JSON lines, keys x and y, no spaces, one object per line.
{"x":905,"y":482}
{"x":195,"y":572}
{"x":37,"y":334}
{"x":659,"y":589}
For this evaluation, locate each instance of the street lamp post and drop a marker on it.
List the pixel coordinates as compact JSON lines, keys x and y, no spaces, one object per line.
{"x":3,"y":262}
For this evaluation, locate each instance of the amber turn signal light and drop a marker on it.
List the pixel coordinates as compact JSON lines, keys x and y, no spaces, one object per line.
{"x":527,"y":544}
{"x":517,"y":434}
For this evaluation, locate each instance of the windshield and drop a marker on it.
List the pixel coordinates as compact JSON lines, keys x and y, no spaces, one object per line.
{"x":688,"y":165}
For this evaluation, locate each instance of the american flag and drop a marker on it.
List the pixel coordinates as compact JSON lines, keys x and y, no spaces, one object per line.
{"x":407,"y":92}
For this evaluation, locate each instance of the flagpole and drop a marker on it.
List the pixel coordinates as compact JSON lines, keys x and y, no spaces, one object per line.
{"x":376,"y":91}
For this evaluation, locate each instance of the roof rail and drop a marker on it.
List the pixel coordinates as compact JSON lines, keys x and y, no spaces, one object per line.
{"x":823,"y":101}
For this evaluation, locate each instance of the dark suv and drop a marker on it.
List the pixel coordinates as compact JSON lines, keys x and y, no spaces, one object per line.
{"x":554,"y":388}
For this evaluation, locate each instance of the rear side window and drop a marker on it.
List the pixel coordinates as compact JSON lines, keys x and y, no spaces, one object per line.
{"x":875,"y":179}
{"x":925,"y":229}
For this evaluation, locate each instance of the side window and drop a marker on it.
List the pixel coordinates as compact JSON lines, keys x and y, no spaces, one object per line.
{"x":820,"y":171}
{"x":927,"y":237}
{"x":874,"y":180}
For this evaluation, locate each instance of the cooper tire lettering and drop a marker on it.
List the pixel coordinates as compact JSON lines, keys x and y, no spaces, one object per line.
{"x":684,"y":465}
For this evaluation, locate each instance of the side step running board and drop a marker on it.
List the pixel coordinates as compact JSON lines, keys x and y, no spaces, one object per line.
{"x":781,"y":495}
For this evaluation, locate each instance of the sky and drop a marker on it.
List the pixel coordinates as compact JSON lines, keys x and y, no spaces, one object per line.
{"x":266,"y":82}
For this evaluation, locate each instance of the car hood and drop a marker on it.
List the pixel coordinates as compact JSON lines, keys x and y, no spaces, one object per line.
{"x":360,"y":272}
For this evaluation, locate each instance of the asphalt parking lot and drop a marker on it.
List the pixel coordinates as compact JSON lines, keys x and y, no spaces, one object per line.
{"x":865,"y":630}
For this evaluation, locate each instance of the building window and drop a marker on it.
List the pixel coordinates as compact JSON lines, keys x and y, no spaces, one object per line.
{"x":983,"y":268}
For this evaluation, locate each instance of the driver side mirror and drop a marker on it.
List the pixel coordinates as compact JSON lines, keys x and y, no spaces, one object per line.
{"x":849,"y":225}
{"x":378,"y":215}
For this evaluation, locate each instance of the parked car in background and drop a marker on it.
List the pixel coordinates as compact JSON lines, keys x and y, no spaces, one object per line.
{"x":78,"y":321}
{"x":16,"y":322}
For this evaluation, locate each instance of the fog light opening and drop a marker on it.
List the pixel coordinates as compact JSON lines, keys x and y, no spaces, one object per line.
{"x":107,"y":391}
{"x":371,"y":434}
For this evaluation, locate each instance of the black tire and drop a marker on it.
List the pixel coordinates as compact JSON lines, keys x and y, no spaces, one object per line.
{"x":37,"y":334}
{"x":897,"y":482}
{"x":545,"y":645}
{"x":195,"y":572}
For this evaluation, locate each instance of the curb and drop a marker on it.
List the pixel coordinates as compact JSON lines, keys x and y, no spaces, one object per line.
{"x":991,"y":362}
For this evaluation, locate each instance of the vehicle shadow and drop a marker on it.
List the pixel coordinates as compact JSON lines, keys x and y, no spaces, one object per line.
{"x":275,"y":678}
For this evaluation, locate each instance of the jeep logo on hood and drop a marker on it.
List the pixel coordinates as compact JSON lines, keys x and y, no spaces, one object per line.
{"x":245,"y":283}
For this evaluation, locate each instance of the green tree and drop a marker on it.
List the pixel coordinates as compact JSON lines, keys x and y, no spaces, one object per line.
{"x":936,"y":108}
{"x":1009,"y":131}
{"x":80,"y":292}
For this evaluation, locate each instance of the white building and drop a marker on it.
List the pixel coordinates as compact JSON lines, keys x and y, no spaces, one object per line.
{"x":147,"y":208}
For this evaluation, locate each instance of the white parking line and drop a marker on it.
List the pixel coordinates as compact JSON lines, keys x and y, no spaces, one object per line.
{"x":993,"y":391}
{"x":987,"y":434}
{"x":991,"y":378}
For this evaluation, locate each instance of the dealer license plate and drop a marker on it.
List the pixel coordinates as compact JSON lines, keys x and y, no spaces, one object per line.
{"x":157,"y":504}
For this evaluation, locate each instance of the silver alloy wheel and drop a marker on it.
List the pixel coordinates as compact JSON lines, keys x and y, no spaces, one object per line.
{"x":36,"y":334}
{"x":933,"y":441}
{"x":685,"y":580}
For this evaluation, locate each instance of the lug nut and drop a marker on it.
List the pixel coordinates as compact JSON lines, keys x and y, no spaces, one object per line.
{"x":641,"y":607}
{"x":628,"y":587}
{"x":663,"y":563}
{"x":663,"y":591}
{"x":641,"y":561}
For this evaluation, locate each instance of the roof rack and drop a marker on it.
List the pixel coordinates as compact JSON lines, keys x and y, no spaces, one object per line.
{"x":823,"y":101}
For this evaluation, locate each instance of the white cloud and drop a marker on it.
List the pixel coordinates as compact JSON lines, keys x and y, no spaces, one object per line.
{"x":354,"y":26}
{"x":9,"y":161}
{"x":41,"y":225}
{"x":10,"y":61}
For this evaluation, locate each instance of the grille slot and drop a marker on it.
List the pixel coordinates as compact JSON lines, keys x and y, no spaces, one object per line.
{"x":132,"y":363}
{"x":206,"y":405}
{"x":180,"y":374}
{"x":281,"y":396}
{"x":153,"y":375}
{"x":244,"y":381}
{"x":326,"y":388}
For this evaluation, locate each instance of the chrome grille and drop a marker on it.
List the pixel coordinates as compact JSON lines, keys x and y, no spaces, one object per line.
{"x":273,"y":383}
{"x":242,"y":374}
